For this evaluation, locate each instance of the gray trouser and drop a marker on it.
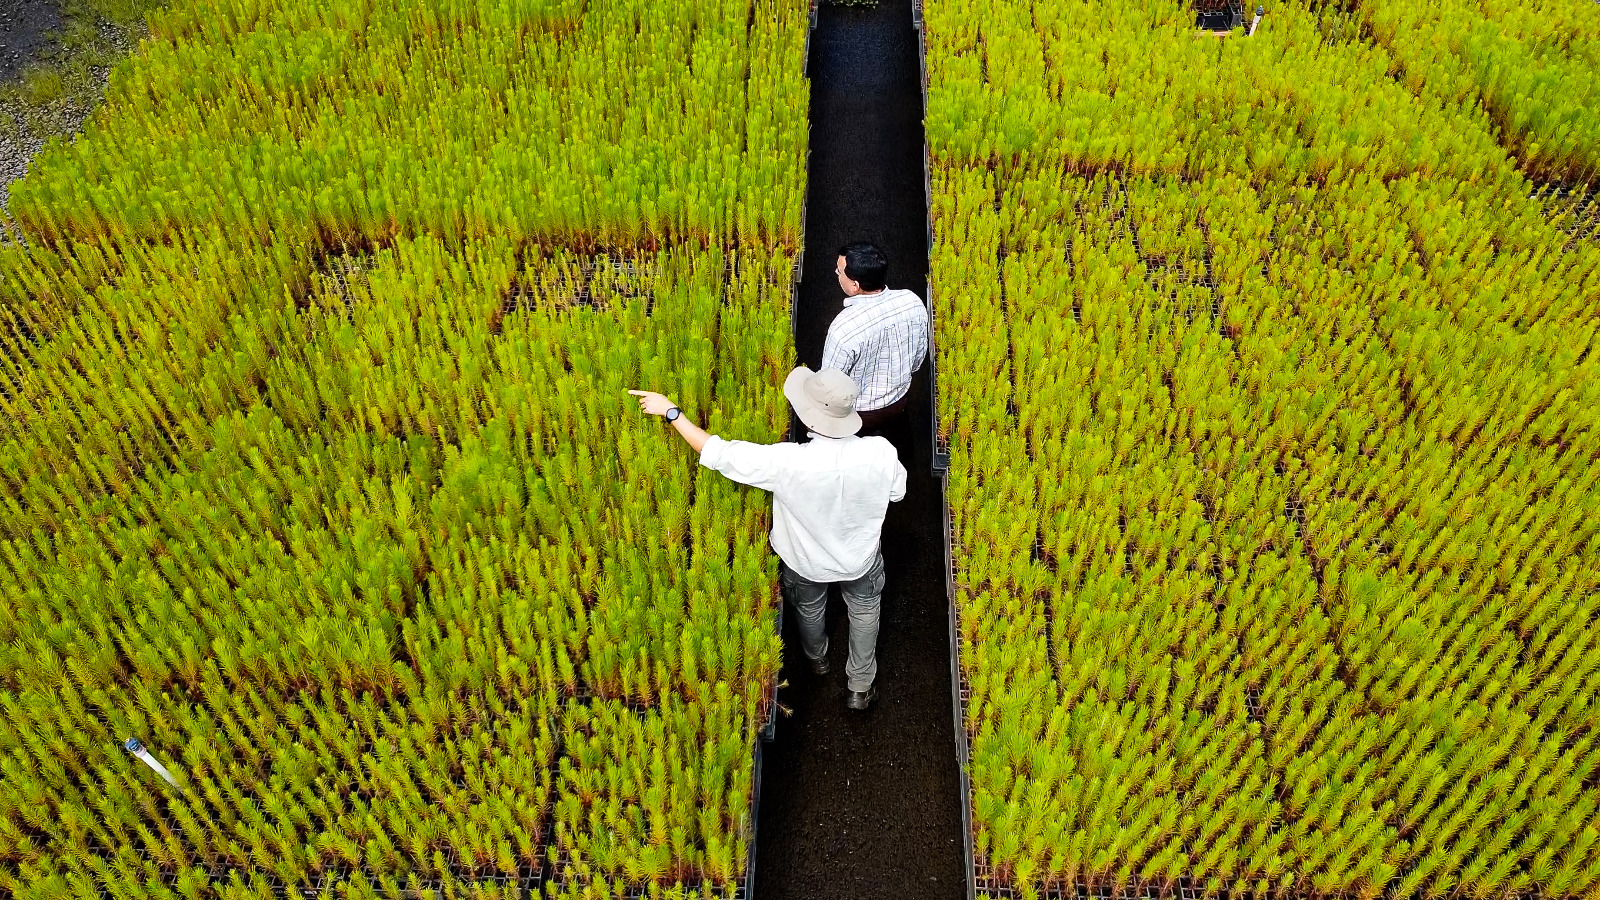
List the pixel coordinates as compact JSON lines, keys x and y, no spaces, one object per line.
{"x":863,"y":598}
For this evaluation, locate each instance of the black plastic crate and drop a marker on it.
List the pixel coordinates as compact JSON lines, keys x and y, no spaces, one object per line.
{"x":1219,"y":15}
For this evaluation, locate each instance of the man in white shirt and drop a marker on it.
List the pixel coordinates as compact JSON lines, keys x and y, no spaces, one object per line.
{"x":879,"y":339}
{"x":829,"y":499}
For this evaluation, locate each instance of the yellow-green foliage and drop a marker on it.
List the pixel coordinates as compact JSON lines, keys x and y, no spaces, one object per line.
{"x":1275,"y":499}
{"x":609,"y":122}
{"x":1533,"y":65}
{"x":318,"y":473}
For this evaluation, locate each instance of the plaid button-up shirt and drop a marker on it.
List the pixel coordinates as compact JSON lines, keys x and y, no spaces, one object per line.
{"x":879,"y":340}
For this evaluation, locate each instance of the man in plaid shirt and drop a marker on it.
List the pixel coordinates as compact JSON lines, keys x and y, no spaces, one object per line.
{"x":879,"y":339}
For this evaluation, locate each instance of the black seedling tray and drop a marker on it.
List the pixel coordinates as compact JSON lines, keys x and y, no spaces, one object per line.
{"x":1219,"y":15}
{"x":805,"y":62}
{"x":940,"y":446}
{"x":747,"y":889}
{"x":958,"y":693}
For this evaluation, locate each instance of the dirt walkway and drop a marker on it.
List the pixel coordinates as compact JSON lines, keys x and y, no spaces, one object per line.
{"x":866,"y":805}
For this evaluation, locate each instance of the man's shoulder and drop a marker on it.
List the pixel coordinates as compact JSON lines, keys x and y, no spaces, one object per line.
{"x":874,"y":449}
{"x":815,"y":455}
{"x":892,"y":298}
{"x":883,"y":448}
{"x":773,"y":451}
{"x":853,"y":445}
{"x":851,"y":313}
{"x":909,"y":301}
{"x":852,"y":324}
{"x":776,"y":448}
{"x":895,"y":302}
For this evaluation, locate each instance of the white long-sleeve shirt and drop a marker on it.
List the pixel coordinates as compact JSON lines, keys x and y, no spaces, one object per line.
{"x":829,"y":497}
{"x":879,"y":340}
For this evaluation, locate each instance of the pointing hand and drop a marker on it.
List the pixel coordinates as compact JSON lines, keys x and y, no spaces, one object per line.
{"x":653,"y":403}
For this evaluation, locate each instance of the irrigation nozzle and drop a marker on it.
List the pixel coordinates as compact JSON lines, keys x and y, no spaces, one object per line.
{"x":134,"y":746}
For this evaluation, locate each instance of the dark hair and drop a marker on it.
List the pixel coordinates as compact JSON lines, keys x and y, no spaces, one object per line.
{"x":866,"y":265}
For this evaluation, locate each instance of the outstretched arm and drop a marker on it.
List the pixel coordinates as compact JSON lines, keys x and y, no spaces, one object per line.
{"x":657,"y":405}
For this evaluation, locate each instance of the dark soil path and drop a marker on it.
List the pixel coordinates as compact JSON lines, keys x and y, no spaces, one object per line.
{"x":27,"y":28}
{"x":864,"y":805}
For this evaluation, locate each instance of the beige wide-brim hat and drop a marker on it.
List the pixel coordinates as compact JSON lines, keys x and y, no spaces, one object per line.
{"x":825,"y":401}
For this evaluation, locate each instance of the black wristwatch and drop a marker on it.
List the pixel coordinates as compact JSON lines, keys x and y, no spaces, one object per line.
{"x":673,"y":413}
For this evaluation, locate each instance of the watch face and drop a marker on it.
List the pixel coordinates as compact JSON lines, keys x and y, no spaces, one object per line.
{"x":673,"y":414}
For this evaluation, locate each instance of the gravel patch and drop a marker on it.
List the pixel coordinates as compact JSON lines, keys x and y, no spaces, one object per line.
{"x":18,"y":146}
{"x":16,"y":151}
{"x":30,"y":37}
